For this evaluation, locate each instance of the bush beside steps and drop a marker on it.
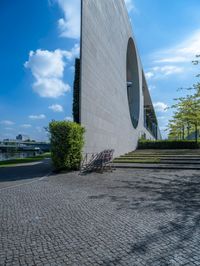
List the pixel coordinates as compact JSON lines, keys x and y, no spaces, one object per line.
{"x":67,"y":140}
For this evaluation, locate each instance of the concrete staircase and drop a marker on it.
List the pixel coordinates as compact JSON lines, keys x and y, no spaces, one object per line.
{"x":160,"y":159}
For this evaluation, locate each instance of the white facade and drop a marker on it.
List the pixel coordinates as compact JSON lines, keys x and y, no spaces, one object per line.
{"x":104,"y":108}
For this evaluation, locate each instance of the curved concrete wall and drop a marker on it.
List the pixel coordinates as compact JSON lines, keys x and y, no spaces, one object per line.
{"x":106,"y":30}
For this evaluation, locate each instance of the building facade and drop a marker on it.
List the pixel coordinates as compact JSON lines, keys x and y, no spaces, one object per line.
{"x":115,"y":104}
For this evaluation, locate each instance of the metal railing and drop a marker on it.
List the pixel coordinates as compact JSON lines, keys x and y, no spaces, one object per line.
{"x":97,"y":162}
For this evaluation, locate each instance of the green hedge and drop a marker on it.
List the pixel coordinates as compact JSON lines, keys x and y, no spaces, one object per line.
{"x":67,"y":140}
{"x":168,"y":144}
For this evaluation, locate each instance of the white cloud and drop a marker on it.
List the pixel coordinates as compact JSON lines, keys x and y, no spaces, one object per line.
{"x":149,"y":74}
{"x":68,"y":118}
{"x":174,"y":59}
{"x":74,"y":52}
{"x":8,"y":128}
{"x":183,"y":52}
{"x":159,"y":72}
{"x":56,"y":108}
{"x":152,"y":87}
{"x":48,"y":68}
{"x":7,"y":122}
{"x":50,"y":88}
{"x":26,"y":126}
{"x":160,"y":107}
{"x":168,"y":70}
{"x":69,"y":25}
{"x":129,"y":4}
{"x":37,"y":117}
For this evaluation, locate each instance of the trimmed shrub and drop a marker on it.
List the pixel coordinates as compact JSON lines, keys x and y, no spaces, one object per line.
{"x":67,"y":140}
{"x":168,"y":144}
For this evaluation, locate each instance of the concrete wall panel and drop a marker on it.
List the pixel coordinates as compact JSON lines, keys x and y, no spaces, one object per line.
{"x":106,"y":30}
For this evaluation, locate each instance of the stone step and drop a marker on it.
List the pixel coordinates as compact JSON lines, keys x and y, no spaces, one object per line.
{"x":166,"y":153}
{"x":159,"y":157}
{"x":157,"y":166}
{"x":180,"y":161}
{"x":166,"y":150}
{"x":159,"y":162}
{"x":160,"y":154}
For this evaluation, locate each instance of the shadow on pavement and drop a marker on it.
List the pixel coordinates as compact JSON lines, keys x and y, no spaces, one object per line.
{"x":23,"y":172}
{"x":180,"y":196}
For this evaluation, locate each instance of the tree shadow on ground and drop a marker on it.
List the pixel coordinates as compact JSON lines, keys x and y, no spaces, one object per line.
{"x":180,"y":196}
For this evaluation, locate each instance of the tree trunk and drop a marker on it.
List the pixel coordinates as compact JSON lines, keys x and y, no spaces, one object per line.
{"x":183,"y":130}
{"x":188,"y":130}
{"x":196,"y":132}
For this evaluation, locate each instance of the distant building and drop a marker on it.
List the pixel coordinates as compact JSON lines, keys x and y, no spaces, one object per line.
{"x":21,"y":137}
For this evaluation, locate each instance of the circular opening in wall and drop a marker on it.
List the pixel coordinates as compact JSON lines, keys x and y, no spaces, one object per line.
{"x":133,"y":83}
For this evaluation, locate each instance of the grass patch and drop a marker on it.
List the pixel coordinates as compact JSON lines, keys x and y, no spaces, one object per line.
{"x":13,"y":162}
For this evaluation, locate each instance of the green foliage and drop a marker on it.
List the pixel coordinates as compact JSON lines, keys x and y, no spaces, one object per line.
{"x":66,"y":144}
{"x":187,"y":113}
{"x":76,"y":94}
{"x":168,"y":144}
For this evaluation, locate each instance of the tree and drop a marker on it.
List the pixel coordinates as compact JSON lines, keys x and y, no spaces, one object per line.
{"x":76,"y":93}
{"x":187,"y":113}
{"x":186,"y":116}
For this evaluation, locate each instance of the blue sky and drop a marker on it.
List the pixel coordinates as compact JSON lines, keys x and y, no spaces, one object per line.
{"x":40,"y":39}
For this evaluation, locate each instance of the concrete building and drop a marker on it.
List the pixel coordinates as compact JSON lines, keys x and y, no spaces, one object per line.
{"x":115,"y":104}
{"x":21,"y":137}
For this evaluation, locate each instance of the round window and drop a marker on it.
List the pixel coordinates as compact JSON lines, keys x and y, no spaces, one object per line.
{"x":133,"y":83}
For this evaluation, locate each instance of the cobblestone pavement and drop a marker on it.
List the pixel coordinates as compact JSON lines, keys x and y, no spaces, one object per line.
{"x":128,"y":217}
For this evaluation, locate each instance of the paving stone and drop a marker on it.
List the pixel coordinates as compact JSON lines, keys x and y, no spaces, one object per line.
{"x":128,"y":217}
